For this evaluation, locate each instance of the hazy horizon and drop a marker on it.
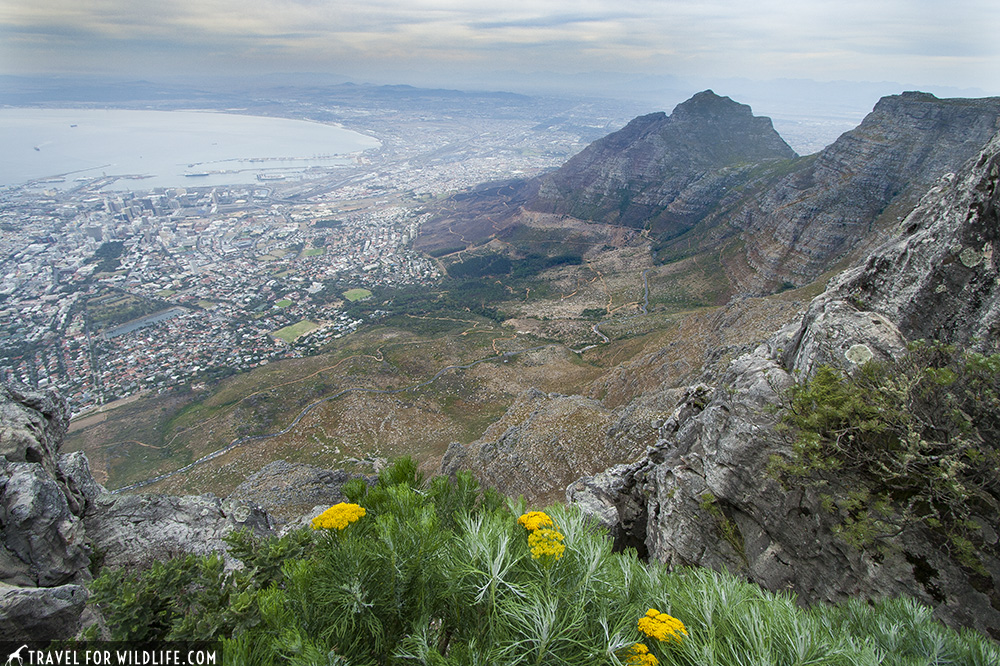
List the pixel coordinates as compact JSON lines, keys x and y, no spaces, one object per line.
{"x":593,"y":46}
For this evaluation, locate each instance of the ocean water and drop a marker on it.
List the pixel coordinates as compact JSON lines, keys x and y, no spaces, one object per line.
{"x":63,"y":145}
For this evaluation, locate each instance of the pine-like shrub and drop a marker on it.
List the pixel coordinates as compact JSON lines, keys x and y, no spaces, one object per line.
{"x":912,"y":444}
{"x":444,"y":574}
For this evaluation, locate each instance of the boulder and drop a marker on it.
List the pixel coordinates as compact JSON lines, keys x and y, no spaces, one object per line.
{"x":288,"y":490}
{"x":78,"y":483}
{"x":134,"y":530}
{"x":39,"y":614}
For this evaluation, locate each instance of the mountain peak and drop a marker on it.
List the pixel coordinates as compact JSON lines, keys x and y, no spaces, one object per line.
{"x":707,"y":104}
{"x":662,"y":172}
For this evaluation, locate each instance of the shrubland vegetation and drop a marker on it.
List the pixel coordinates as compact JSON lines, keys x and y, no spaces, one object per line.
{"x":408,"y":572}
{"x":918,"y":439}
{"x":474,"y":285}
{"x":498,"y":265}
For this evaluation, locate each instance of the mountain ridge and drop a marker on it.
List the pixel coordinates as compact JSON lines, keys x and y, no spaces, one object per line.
{"x":781,"y":219}
{"x":634,"y":177}
{"x":937,"y":279}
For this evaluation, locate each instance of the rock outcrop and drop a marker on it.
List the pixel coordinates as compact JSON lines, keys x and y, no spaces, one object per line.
{"x":134,"y":530}
{"x":664,"y":172}
{"x":940,"y":279}
{"x":44,"y":556}
{"x":701,"y":495}
{"x":802,"y":224}
{"x":35,"y":614}
{"x":287,"y":491}
{"x":43,"y":540}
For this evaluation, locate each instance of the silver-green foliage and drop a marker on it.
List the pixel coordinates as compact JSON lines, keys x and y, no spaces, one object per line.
{"x":441,"y":574}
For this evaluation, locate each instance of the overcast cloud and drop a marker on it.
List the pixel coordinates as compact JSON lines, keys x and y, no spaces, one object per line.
{"x":912,"y":41}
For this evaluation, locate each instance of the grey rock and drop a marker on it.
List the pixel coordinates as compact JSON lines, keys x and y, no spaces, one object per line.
{"x":41,"y":538}
{"x":41,"y":614}
{"x":134,"y":530}
{"x":703,"y":496}
{"x":287,"y":490}
{"x":78,"y":483}
{"x":43,"y":550}
{"x":32,"y":425}
{"x":838,"y":334}
{"x":609,"y":500}
{"x":42,"y":541}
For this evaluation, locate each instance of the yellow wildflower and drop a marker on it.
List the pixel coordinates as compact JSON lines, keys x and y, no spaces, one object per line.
{"x":638,"y":655}
{"x":546,"y":542}
{"x":661,"y":626}
{"x":338,"y":516}
{"x":535,"y":520}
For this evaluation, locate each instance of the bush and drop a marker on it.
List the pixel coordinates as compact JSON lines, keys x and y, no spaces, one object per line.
{"x":442,"y":573}
{"x":918,"y":439}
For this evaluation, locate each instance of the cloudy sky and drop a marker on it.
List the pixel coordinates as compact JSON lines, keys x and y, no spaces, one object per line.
{"x":922,"y":42}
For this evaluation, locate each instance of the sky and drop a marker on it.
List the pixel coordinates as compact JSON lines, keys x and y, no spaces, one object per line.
{"x":925,"y":43}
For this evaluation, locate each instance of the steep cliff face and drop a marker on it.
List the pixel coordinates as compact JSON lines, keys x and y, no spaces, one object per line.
{"x":701,"y":495}
{"x":940,"y":280}
{"x":799,"y":227}
{"x":664,"y":172}
{"x":55,"y":520}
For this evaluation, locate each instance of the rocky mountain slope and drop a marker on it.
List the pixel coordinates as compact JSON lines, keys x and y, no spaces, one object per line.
{"x":795,"y":218}
{"x":664,"y":173}
{"x":869,"y":178}
{"x":702,"y":494}
{"x":712,"y":178}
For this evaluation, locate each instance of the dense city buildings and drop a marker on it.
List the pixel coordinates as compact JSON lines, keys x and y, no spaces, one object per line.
{"x":106,"y":293}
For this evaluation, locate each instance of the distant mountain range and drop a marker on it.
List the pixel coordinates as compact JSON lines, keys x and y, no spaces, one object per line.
{"x":711,"y":177}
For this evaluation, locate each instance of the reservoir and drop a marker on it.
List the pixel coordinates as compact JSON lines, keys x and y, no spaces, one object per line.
{"x":60,"y":148}
{"x":142,"y":322}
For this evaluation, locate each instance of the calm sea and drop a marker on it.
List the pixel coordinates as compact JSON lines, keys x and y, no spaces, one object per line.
{"x":165,"y":146}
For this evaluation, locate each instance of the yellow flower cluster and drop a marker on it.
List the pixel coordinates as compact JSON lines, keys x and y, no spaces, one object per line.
{"x":536,"y":520}
{"x":338,"y":516}
{"x":661,"y":626}
{"x":546,"y":542}
{"x":638,"y":655}
{"x":543,"y":537}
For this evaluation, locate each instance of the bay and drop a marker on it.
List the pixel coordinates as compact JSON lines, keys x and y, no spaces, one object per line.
{"x":58,"y":148}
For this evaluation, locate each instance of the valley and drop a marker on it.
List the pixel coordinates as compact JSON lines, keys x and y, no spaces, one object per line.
{"x":669,"y":333}
{"x":365,"y":317}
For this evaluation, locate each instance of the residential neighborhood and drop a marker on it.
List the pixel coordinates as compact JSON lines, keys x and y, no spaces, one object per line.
{"x":211,"y":277}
